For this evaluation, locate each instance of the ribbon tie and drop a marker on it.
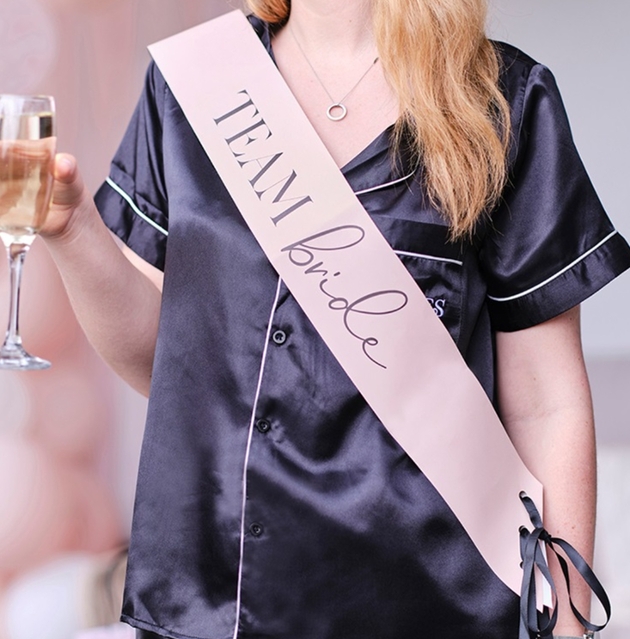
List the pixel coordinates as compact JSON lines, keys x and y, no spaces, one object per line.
{"x":535,"y":625}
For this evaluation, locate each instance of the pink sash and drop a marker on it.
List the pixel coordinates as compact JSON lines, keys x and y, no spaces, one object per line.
{"x":349,"y":282}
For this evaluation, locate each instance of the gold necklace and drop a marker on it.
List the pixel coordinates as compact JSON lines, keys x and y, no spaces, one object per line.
{"x":337,"y":110}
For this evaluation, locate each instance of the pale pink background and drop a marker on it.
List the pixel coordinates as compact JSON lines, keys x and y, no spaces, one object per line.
{"x":60,"y":451}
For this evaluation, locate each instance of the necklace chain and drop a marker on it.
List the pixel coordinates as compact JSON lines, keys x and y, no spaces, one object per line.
{"x":337,"y":105}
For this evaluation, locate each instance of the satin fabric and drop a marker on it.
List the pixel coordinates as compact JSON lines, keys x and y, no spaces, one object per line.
{"x":344,"y":538}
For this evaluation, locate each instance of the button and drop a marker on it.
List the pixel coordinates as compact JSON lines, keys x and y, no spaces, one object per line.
{"x":263,"y":426}
{"x":256,"y":530}
{"x":279,"y":337}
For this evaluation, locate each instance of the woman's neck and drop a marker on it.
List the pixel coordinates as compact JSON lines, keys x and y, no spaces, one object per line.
{"x":343,"y":28}
{"x":327,"y":55}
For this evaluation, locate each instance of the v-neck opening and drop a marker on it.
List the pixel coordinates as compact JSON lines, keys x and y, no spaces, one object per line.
{"x":379,"y":143}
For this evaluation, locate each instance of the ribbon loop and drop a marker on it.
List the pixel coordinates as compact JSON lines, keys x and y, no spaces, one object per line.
{"x":540,"y":625}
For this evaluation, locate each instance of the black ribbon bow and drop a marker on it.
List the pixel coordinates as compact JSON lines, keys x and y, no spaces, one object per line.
{"x":540,"y":625}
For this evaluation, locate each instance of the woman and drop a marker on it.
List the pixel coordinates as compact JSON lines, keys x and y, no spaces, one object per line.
{"x":271,"y":502}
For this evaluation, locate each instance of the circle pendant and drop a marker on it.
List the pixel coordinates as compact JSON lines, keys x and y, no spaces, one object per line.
{"x":333,"y":108}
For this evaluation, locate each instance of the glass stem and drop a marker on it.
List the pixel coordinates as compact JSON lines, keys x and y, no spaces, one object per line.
{"x":16,"y":254}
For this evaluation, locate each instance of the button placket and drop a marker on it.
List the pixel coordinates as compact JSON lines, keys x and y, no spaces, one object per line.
{"x":255,"y":529}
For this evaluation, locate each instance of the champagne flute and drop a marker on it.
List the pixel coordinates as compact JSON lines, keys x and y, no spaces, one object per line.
{"x":27,"y":152}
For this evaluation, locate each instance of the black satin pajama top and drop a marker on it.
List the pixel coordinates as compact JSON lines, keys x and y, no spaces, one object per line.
{"x":271,"y":502}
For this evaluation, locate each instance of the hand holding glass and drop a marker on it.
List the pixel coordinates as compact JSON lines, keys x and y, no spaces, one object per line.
{"x":27,"y":153}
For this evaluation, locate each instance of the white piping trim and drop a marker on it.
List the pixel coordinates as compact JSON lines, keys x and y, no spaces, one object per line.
{"x":247,"y":451}
{"x":134,"y":206}
{"x":553,"y":277}
{"x":383,"y":186}
{"x":434,"y":258}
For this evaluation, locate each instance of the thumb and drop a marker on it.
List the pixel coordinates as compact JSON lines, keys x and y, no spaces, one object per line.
{"x":69,"y":188}
{"x":69,"y":198}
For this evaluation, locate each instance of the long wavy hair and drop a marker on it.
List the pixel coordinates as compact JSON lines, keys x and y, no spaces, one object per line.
{"x":445,"y":72}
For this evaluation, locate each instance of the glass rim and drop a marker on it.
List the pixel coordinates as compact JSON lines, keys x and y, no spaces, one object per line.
{"x":17,"y":113}
{"x":27,"y":96}
{"x":14,"y":104}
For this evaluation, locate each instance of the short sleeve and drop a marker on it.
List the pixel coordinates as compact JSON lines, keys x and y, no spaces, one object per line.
{"x":133,"y":201}
{"x":550,"y":244}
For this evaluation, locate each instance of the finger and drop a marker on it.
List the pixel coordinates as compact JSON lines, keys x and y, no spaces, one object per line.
{"x":69,"y":187}
{"x":65,"y":167}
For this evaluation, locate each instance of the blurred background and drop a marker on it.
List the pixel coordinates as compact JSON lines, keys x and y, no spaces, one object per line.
{"x":70,"y":437}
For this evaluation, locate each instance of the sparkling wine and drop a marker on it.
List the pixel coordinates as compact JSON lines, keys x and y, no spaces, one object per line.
{"x":27,"y":153}
{"x":25,"y":176}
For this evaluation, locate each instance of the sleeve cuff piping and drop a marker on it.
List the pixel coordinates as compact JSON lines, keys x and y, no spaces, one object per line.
{"x":555,"y":275}
{"x":134,"y":206}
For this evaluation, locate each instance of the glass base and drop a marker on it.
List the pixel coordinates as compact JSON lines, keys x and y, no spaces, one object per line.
{"x":17,"y":359}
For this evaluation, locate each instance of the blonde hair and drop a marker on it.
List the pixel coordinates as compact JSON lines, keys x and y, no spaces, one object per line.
{"x":445,"y":72}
